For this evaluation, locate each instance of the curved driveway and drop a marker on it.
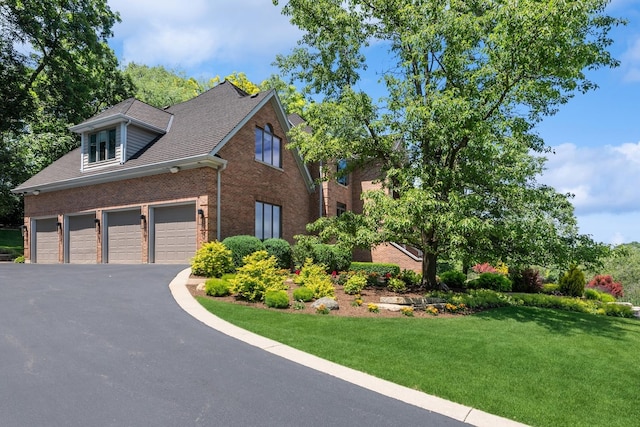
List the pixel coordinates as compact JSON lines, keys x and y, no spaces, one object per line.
{"x":107,"y":345}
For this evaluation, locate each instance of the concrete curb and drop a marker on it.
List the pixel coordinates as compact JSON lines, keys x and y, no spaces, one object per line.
{"x":413,"y":397}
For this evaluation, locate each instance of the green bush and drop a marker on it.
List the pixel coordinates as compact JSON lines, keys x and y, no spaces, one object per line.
{"x":303,"y":294}
{"x":281,"y":249}
{"x":241,"y":246}
{"x":396,"y":285}
{"x":213,"y":259}
{"x":526,"y":280}
{"x":494,"y":281}
{"x":355,"y":284}
{"x":19,"y":259}
{"x":550,"y":288}
{"x":617,"y":310}
{"x":276,"y":299}
{"x":259,"y":274}
{"x":595,"y":294}
{"x":217,"y":287}
{"x":572,"y":282}
{"x":411,"y":278}
{"x":454,"y":279}
{"x":333,"y":257}
{"x":314,"y":277}
{"x":381,"y":269}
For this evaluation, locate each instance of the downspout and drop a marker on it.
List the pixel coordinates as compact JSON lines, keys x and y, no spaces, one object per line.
{"x":218,"y":210}
{"x":321,"y":201}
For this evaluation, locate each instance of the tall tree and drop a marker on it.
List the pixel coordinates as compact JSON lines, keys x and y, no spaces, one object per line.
{"x":464,"y":84}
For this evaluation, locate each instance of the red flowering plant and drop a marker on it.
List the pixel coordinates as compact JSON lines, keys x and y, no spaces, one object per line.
{"x":606,"y":284}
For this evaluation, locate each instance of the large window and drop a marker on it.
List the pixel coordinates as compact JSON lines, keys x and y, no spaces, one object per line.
{"x":268,"y":220}
{"x":268,"y":146}
{"x":102,"y":145}
{"x":341,"y":172}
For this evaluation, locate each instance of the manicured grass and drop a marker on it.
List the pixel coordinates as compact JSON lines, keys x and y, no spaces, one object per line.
{"x":538,"y":366}
{"x":11,"y":242}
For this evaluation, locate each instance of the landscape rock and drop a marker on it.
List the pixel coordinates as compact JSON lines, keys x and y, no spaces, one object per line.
{"x":390,"y":307}
{"x":330,"y":303}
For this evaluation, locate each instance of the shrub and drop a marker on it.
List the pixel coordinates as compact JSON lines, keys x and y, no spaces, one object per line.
{"x":303,"y":294}
{"x":550,"y":288}
{"x":19,"y":259}
{"x":411,"y":278}
{"x":281,"y":249}
{"x":494,"y":281}
{"x":396,"y":285}
{"x":217,"y":287}
{"x":381,"y":269}
{"x":258,"y":275}
{"x":526,"y":280}
{"x":572,"y":282}
{"x":617,"y":310}
{"x":454,"y":279}
{"x":484,"y":268}
{"x":606,"y":284}
{"x":333,"y":257}
{"x":276,"y":298}
{"x":241,"y":246}
{"x":314,"y":277}
{"x":355,"y":284}
{"x":595,"y":294}
{"x":213,"y":259}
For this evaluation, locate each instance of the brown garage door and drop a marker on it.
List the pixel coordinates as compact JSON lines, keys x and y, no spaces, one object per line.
{"x":82,"y":239}
{"x":124,"y":244}
{"x":46,"y":243}
{"x":174,"y":234}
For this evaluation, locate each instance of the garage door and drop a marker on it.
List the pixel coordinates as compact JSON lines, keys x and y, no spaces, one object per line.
{"x":174,"y":234}
{"x":46,"y":244}
{"x":82,"y":239}
{"x":124,"y":244}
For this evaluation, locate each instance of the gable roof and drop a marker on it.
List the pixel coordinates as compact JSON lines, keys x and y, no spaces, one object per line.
{"x":191,"y":133}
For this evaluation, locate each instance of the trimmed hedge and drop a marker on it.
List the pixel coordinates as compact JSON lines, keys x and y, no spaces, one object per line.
{"x":281,"y":249}
{"x":241,"y":246}
{"x":382,"y":269}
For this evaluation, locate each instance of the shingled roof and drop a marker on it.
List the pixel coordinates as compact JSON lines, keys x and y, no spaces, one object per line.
{"x":194,"y":131}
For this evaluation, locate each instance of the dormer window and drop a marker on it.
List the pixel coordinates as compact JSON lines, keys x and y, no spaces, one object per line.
{"x":102,"y":145}
{"x":268,"y":146}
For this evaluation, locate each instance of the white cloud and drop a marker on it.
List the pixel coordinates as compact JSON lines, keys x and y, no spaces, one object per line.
{"x":201,"y":33}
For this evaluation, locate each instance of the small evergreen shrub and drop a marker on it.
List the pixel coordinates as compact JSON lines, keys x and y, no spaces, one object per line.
{"x":572,"y":282}
{"x":596,"y":295}
{"x":259,"y":274}
{"x":606,"y":284}
{"x":241,"y":246}
{"x":355,"y":284}
{"x":19,"y":259}
{"x":381,"y":269}
{"x":276,"y":299}
{"x":617,"y":310}
{"x":526,"y":280}
{"x":333,"y":257}
{"x":303,"y":294}
{"x":494,"y":281}
{"x":314,"y":277}
{"x":213,"y":259}
{"x":411,"y":278}
{"x":453,"y":279}
{"x":396,"y":285}
{"x":217,"y":287}
{"x":281,"y":249}
{"x":550,"y":288}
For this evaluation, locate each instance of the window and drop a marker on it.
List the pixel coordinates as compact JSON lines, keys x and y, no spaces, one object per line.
{"x":268,"y":220}
{"x":102,"y":146}
{"x":268,"y":146}
{"x":340,"y":209}
{"x":342,"y":175}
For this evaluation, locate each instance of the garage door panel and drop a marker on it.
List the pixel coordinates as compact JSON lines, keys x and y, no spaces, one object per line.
{"x":82,"y":239}
{"x":174,"y":234}
{"x":46,"y":244}
{"x":124,"y":240}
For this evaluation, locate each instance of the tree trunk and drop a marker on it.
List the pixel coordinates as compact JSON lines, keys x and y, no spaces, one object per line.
{"x":429,"y":270}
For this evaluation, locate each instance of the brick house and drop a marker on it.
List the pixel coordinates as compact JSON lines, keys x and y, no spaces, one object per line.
{"x":150,"y":186}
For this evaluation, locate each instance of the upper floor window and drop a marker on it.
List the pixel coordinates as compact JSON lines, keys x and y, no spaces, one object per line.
{"x":340,"y":208}
{"x":268,"y":220}
{"x":268,"y":146}
{"x":102,"y":145}
{"x":342,"y":175}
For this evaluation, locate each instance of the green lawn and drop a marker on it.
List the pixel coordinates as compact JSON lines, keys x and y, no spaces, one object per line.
{"x":537,"y":366}
{"x":11,"y":242}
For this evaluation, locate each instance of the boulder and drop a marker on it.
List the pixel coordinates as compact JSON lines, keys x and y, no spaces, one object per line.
{"x":330,"y":303}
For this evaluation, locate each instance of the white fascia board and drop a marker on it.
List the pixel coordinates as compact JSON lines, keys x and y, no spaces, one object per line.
{"x":112,"y":120}
{"x":119,"y":174}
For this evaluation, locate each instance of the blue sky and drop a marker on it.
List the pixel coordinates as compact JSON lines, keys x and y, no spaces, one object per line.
{"x":596,"y":136}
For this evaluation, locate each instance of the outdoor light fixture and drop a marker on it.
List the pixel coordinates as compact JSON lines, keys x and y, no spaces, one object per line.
{"x":59,"y":225}
{"x":96,"y":221}
{"x":201,"y":213}
{"x":174,"y":169}
{"x":36,"y":192}
{"x":143,"y":222}
{"x":24,"y":230}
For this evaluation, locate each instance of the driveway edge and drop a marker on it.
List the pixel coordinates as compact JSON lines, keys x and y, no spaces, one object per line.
{"x":422,"y":400}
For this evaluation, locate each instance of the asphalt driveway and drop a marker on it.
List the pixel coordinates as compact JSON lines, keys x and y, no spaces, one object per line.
{"x":107,"y":345}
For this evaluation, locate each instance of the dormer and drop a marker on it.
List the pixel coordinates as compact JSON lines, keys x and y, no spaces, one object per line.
{"x":115,"y":135}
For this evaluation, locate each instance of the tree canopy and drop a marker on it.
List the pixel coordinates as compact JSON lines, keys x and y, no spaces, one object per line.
{"x":463,"y":85}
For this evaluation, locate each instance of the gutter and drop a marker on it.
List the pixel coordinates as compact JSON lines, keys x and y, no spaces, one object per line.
{"x":218,"y":198}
